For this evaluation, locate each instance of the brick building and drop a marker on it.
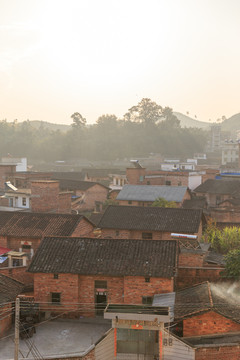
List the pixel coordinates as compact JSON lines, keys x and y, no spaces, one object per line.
{"x":145,"y":195}
{"x":141,"y":176}
{"x":216,"y":191}
{"x":137,"y":222}
{"x":24,"y":231}
{"x":86,"y":195}
{"x":206,"y":309}
{"x":87,"y":273}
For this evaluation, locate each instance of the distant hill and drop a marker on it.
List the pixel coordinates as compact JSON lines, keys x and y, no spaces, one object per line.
{"x":37,"y":123}
{"x":187,"y":121}
{"x":231,"y":124}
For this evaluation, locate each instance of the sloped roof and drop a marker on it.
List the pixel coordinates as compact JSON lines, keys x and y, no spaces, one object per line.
{"x":207,"y":297}
{"x":37,"y":224}
{"x":196,"y":203}
{"x":152,"y":192}
{"x":9,"y":289}
{"x":219,"y":187}
{"x":121,"y":257}
{"x":77,"y":184}
{"x":151,"y":218}
{"x":70,"y":175}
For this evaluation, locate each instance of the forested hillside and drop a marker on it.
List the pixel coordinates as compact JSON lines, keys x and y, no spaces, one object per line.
{"x":145,"y":128}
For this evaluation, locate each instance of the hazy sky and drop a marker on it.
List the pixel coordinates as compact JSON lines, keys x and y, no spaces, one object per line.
{"x":103,"y":56}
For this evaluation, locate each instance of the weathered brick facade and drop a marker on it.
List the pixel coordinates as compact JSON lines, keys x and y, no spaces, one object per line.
{"x":94,"y":194}
{"x":208,"y":323}
{"x":46,"y":197}
{"x":231,"y":352}
{"x":80,"y":289}
{"x":137,"y":234}
{"x":188,"y":276}
{"x":191,"y":260}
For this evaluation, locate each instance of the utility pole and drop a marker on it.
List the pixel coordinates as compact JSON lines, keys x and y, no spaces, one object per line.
{"x":17,"y":310}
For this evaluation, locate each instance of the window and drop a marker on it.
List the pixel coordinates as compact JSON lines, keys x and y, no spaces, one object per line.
{"x":129,"y":202}
{"x":55,"y":276}
{"x":147,"y":300}
{"x":11,"y":202}
{"x":117,"y":232}
{"x":56,"y":298}
{"x":24,"y":201}
{"x":168,"y":182}
{"x":147,"y":279}
{"x":102,"y":284}
{"x":147,"y":236}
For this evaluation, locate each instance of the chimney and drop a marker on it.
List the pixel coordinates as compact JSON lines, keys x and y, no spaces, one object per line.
{"x":44,"y":196}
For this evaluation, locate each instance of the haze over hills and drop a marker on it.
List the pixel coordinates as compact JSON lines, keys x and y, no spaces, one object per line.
{"x":187,"y":121}
{"x":231,"y":124}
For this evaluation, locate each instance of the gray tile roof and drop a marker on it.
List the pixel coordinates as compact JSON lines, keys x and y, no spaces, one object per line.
{"x":151,"y":218}
{"x":9,"y":288}
{"x":37,"y":224}
{"x":152,"y":192}
{"x":211,"y":186}
{"x":113,"y":257}
{"x":208,"y":297}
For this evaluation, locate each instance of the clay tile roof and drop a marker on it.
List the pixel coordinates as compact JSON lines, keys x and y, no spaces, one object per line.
{"x":219,"y":187}
{"x":113,"y":257}
{"x":151,"y":218}
{"x":37,"y":224}
{"x":9,"y":289}
{"x":221,"y":298}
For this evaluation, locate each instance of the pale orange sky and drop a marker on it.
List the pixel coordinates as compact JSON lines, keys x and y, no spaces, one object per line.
{"x":103,"y":56}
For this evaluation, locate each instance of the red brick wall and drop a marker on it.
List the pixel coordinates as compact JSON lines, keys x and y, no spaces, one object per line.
{"x":6,"y":319}
{"x":64,"y":203}
{"x":3,"y":241}
{"x":96,"y":193}
{"x":66,"y":284}
{"x":190,"y":276}
{"x":187,"y":259}
{"x":115,"y":288}
{"x":18,"y":273}
{"x":44,"y":195}
{"x":137,"y":234}
{"x":218,"y":353}
{"x":135,"y":287}
{"x":81,"y":289}
{"x":83,"y":229}
{"x":208,"y":323}
{"x":133,"y":175}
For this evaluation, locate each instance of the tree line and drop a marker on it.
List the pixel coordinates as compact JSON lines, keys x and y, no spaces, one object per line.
{"x":145,"y":128}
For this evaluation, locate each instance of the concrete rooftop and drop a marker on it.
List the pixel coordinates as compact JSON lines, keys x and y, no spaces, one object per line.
{"x":58,"y":337}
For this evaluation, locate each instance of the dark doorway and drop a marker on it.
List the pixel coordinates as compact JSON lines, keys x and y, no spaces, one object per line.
{"x":101,"y":302}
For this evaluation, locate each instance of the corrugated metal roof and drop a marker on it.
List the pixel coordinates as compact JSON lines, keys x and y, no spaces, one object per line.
{"x":152,"y":192}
